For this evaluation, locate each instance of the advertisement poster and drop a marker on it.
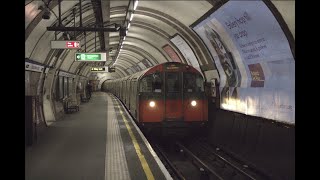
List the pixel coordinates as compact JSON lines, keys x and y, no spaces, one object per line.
{"x":141,"y":65}
{"x":146,"y":62}
{"x":136,"y":68}
{"x":172,"y":54}
{"x":257,"y":75}
{"x":253,"y":57}
{"x":186,"y":51}
{"x":130,"y":71}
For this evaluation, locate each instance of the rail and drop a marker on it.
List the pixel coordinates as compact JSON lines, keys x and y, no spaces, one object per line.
{"x":172,"y":167}
{"x":195,"y":158}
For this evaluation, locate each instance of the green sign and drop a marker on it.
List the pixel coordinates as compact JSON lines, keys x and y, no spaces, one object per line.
{"x":90,"y":57}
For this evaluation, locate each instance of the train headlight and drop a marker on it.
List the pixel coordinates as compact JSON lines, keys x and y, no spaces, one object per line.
{"x":193,"y":103}
{"x":152,"y":104}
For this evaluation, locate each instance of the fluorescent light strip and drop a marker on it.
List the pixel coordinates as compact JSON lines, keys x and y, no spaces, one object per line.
{"x":135,"y":5}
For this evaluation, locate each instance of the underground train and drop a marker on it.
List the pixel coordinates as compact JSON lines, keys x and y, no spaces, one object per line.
{"x":165,"y":98}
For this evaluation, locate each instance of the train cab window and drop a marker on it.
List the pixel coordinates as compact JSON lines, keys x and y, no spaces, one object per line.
{"x":192,"y":83}
{"x":151,"y":83}
{"x":146,"y":84}
{"x":172,"y":82}
{"x":157,"y":83}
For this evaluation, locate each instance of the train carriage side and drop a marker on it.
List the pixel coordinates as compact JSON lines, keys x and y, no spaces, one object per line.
{"x":129,"y":91}
{"x":134,"y":93}
{"x":121,"y":89}
{"x":122,"y":81}
{"x":125,"y":91}
{"x":126,"y":95}
{"x":116,"y":89}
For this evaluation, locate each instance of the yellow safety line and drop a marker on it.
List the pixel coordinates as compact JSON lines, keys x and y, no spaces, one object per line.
{"x":142,"y":159}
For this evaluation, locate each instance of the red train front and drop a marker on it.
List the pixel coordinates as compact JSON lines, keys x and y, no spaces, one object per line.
{"x":172,"y":95}
{"x":169,"y":98}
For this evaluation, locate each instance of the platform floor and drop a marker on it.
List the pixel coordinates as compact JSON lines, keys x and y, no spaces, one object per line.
{"x":100,"y":142}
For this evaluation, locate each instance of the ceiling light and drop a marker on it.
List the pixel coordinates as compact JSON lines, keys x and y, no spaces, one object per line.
{"x":135,"y":5}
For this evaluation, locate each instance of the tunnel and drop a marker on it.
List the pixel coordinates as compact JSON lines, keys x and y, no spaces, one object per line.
{"x":76,"y":51}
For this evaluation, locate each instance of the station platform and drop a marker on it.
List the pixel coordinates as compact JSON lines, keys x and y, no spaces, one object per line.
{"x":100,"y":142}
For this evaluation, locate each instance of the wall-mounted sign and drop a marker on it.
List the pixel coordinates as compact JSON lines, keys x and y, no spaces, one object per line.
{"x":33,"y":67}
{"x":111,"y":69}
{"x":137,"y":68}
{"x":90,"y":57}
{"x":130,"y":71}
{"x":147,"y":63}
{"x":186,"y":51}
{"x":99,"y":69}
{"x":172,"y":54}
{"x":66,"y":74}
{"x":254,"y":60}
{"x":65,"y":45}
{"x":141,"y":65}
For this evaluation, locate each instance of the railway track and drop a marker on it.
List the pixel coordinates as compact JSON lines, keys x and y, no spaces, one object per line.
{"x":225,"y":164}
{"x":197,"y":160}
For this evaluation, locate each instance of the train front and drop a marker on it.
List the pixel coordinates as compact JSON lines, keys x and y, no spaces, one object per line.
{"x":172,"y":99}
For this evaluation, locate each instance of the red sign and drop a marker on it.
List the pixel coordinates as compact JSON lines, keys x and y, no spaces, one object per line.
{"x":173,"y":55}
{"x":72,"y":44}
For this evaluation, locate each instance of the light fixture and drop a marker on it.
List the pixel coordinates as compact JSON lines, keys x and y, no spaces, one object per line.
{"x":117,"y":26}
{"x":152,"y":104}
{"x":46,"y":12}
{"x":135,"y":5}
{"x":193,"y":103}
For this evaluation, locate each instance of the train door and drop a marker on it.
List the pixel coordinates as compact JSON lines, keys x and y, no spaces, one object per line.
{"x":173,"y":97}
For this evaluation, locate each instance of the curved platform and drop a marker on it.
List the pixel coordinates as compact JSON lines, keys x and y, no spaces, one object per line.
{"x":99,"y":142}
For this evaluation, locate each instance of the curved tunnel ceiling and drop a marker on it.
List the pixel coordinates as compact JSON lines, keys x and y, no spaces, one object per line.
{"x":152,"y":26}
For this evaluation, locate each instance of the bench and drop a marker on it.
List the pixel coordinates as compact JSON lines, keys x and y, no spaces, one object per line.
{"x":70,"y":106}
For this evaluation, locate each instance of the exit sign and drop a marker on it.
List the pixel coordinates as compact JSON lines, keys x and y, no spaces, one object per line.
{"x":90,"y":57}
{"x":65,"y":45}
